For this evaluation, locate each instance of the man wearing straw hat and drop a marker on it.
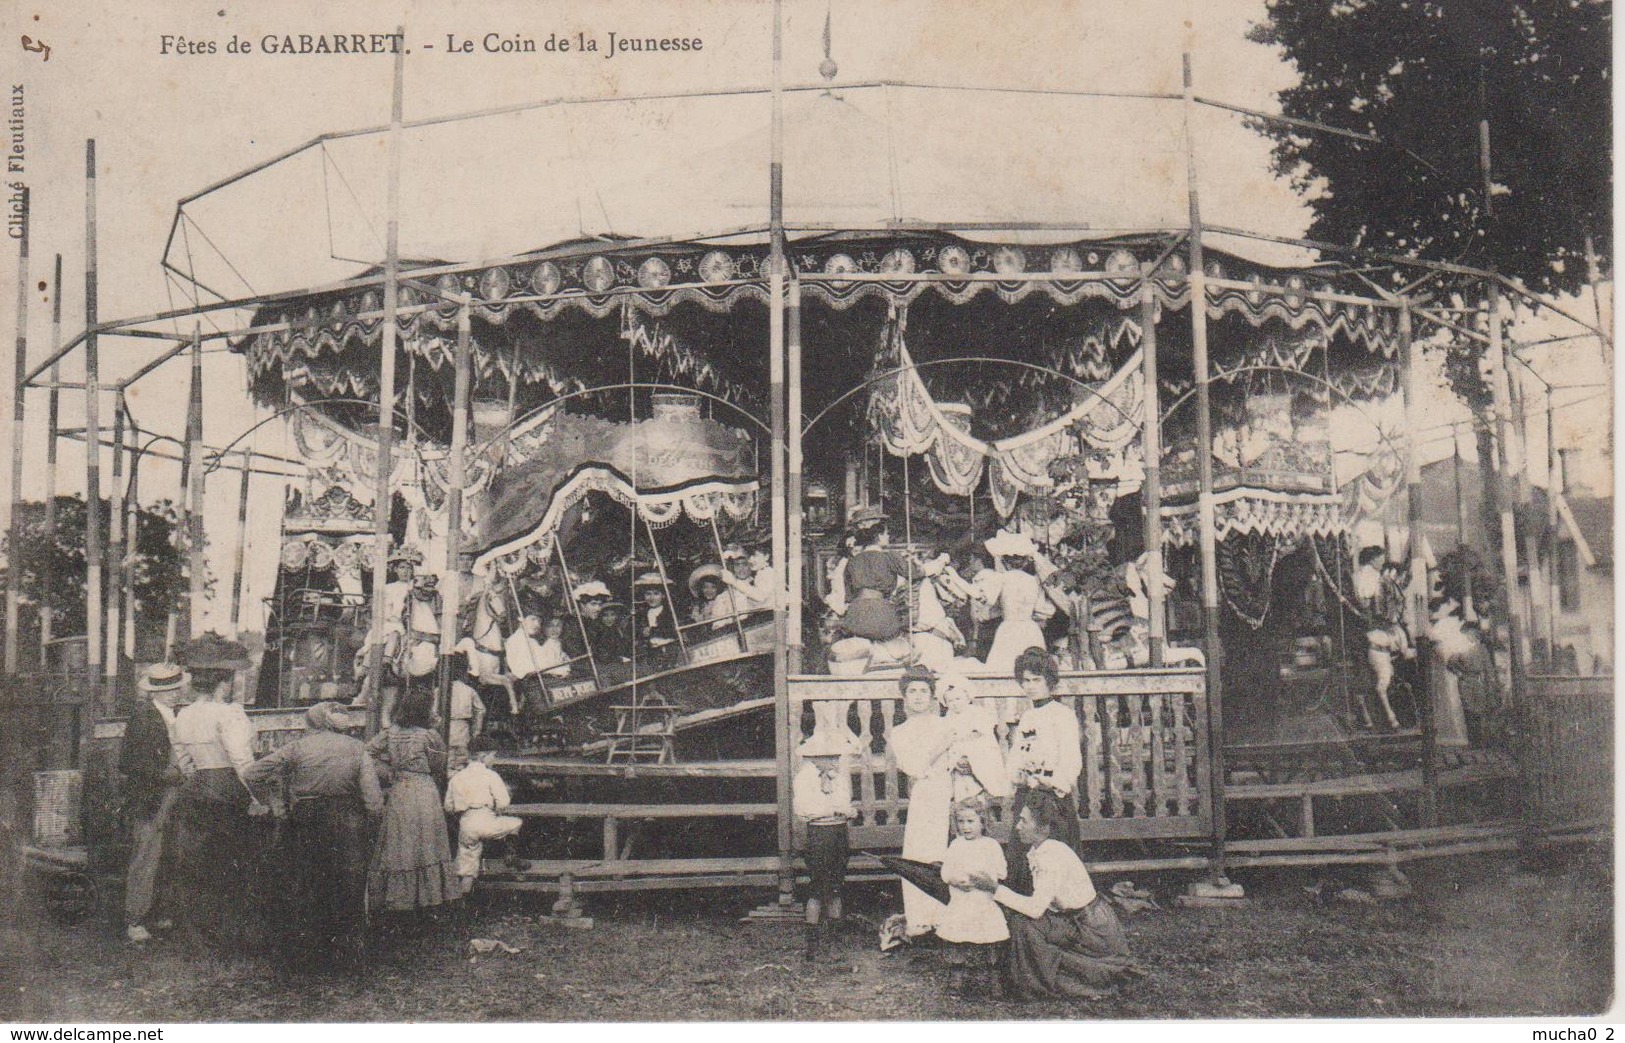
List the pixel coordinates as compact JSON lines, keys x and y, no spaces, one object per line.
{"x":213,"y":743}
{"x":149,"y":790}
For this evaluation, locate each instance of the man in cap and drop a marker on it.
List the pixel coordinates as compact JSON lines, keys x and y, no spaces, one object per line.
{"x":213,"y":744}
{"x":149,"y":790}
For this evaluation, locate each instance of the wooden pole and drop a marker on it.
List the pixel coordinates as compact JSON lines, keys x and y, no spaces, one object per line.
{"x":793,"y":566}
{"x":386,"y":393}
{"x":115,"y":545}
{"x":1151,"y":452}
{"x":1419,"y":604}
{"x":196,"y":567}
{"x":1518,"y":465}
{"x":1504,"y":495}
{"x":1594,"y":278}
{"x":1554,"y":489}
{"x":14,"y":569}
{"x":1207,"y":524}
{"x":93,"y":443}
{"x":451,"y":601}
{"x":237,"y":568}
{"x":132,"y":534}
{"x":1468,"y":609}
{"x":776,"y":363}
{"x":53,"y":421}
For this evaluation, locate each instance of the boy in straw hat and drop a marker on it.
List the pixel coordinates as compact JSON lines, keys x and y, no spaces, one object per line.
{"x":150,"y":783}
{"x":822,"y":797}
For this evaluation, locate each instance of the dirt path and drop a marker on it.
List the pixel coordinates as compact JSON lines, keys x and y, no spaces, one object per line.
{"x":1476,"y":939}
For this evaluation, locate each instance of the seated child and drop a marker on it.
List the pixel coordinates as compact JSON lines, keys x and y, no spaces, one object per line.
{"x":973,"y":921}
{"x":477,"y":793}
{"x":976,"y":754}
{"x":822,"y":795}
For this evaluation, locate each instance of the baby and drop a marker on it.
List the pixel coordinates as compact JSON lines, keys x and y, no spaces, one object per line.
{"x":976,"y":754}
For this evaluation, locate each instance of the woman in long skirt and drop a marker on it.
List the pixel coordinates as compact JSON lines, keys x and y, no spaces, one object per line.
{"x":333,"y":797}
{"x":1065,"y":940}
{"x":922,"y":747}
{"x":412,"y":865}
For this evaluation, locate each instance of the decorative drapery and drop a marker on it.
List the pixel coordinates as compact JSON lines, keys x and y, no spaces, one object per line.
{"x":702,"y":501}
{"x":912,"y":423}
{"x":655,"y":281}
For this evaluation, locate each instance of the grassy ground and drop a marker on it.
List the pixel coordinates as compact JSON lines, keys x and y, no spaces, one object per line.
{"x":1478,"y":938}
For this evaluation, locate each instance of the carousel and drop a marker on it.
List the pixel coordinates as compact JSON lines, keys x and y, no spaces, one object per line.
{"x":679,"y":495}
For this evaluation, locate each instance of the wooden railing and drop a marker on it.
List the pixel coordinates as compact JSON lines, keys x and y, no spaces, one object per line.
{"x":1570,"y":752}
{"x":1145,"y":750}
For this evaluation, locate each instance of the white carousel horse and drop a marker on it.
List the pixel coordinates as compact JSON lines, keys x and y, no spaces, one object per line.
{"x":483,"y":643}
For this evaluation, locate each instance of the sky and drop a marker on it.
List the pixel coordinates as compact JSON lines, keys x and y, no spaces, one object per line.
{"x":168,"y":124}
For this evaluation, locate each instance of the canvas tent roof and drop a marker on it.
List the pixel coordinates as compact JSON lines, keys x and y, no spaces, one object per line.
{"x":988,"y":163}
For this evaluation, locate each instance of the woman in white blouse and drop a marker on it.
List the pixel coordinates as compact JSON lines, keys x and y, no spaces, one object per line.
{"x":1065,"y":942}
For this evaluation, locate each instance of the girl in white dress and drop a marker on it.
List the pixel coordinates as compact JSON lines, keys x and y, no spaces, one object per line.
{"x":977,"y":756}
{"x":972,"y":921}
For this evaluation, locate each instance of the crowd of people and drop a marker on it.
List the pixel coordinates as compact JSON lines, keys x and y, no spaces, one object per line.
{"x":1024,"y":917}
{"x":291,"y":851}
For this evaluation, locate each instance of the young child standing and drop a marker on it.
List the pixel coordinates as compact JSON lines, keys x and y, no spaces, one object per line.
{"x":467,"y":712}
{"x":973,"y":921}
{"x":822,"y":794}
{"x":477,"y":793}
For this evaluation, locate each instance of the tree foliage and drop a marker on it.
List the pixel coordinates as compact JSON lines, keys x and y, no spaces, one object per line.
{"x":1420,"y":75}
{"x":53,"y":566}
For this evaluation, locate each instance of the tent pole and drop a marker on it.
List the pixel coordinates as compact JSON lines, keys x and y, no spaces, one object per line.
{"x":132,"y":532}
{"x":53,"y":420}
{"x":1207,"y":525}
{"x":1151,"y":451}
{"x":1504,"y":493}
{"x":1468,"y":610}
{"x":1554,"y":489}
{"x":386,"y":397}
{"x":793,"y":566}
{"x":14,"y":572}
{"x":242,"y":545}
{"x":194,"y":493}
{"x":115,"y":543}
{"x":1420,"y":620}
{"x":451,"y":599}
{"x":776,"y":362}
{"x":93,"y":469}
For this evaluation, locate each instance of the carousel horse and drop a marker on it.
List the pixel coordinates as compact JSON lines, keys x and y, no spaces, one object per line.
{"x":1376,"y":585}
{"x":486,"y":615}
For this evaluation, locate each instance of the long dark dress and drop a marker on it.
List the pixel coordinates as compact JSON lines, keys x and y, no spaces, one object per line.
{"x":325,"y":843}
{"x":1075,"y":948}
{"x":411,"y":861}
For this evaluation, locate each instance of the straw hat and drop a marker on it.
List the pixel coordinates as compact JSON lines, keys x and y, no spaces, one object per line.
{"x":1011,"y":545}
{"x":406,"y":556}
{"x":162,"y":677}
{"x":701,"y":574}
{"x":649,"y":579}
{"x":592,"y":589}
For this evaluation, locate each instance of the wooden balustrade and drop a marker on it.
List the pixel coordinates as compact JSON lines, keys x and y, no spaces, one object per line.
{"x":1145,"y":750}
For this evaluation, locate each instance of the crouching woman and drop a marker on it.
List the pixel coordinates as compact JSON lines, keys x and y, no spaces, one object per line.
{"x":1065,"y":940}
